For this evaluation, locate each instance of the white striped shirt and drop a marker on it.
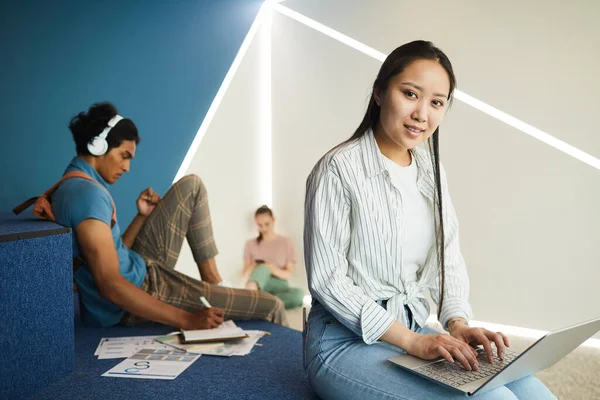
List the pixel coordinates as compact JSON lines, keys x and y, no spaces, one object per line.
{"x":353,"y":243}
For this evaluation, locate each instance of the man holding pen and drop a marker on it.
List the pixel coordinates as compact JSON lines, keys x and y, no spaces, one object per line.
{"x":129,"y":278}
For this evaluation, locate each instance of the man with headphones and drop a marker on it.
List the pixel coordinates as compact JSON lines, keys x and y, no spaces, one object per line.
{"x":129,"y":278}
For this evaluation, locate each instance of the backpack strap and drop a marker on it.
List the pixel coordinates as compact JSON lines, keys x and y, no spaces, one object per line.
{"x":83,"y":175}
{"x":45,"y":212}
{"x":25,"y":205}
{"x":42,"y":207}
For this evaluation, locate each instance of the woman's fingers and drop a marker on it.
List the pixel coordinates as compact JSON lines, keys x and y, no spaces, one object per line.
{"x":451,"y":349}
{"x":505,"y":339}
{"x":471,"y":355}
{"x":482,"y":339}
{"x":445,"y":353}
{"x":499,"y":341}
{"x":473,"y":351}
{"x":465,"y":347}
{"x":460,"y":356}
{"x":464,"y":354}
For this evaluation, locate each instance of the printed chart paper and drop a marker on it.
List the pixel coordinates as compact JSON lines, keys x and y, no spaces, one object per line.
{"x":153,"y":364}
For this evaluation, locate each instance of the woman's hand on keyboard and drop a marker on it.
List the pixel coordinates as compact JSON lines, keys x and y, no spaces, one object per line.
{"x":481,"y":336}
{"x":429,"y":347}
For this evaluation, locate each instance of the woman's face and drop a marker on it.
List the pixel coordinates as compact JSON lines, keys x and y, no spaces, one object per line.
{"x":265,"y":223}
{"x":413,"y":104}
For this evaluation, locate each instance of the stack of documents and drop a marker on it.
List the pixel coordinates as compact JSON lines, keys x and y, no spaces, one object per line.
{"x":226,"y":340}
{"x":175,"y":342}
{"x":212,"y":335}
{"x":234,"y":347}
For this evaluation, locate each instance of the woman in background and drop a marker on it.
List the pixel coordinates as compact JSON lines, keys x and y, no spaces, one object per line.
{"x":269,"y":261}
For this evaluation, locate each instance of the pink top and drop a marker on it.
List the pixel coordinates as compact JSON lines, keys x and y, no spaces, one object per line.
{"x":279,"y":251}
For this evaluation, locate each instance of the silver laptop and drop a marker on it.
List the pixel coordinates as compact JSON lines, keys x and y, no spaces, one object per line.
{"x":544,"y":353}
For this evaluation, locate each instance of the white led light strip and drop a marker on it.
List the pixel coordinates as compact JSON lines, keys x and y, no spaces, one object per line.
{"x":258,"y":21}
{"x":265,"y":128}
{"x":459,"y":95}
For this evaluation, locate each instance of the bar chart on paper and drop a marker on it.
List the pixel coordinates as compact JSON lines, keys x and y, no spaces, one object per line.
{"x":153,"y":364}
{"x":123,"y":347}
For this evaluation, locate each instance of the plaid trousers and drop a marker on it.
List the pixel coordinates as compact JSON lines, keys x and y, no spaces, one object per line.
{"x":183,"y":212}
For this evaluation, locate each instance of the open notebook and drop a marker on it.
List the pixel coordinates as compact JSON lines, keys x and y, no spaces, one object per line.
{"x":175,"y":341}
{"x":212,"y":335}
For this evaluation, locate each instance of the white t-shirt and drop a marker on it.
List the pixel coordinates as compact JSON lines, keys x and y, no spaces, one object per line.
{"x":417,"y":215}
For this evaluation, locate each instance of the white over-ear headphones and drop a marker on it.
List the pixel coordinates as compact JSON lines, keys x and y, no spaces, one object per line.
{"x":98,"y":145}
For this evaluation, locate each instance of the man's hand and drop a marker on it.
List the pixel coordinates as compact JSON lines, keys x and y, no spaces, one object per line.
{"x":481,"y":336}
{"x":205,"y":318}
{"x":147,"y":202}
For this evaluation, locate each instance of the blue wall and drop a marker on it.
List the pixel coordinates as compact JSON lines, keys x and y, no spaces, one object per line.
{"x":160,"y":62}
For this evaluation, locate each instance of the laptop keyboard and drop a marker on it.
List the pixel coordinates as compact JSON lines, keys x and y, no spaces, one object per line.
{"x":455,"y":375}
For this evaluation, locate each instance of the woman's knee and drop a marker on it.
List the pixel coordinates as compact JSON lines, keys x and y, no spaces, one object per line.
{"x":296,"y":298}
{"x":260,"y":270}
{"x":501,"y":393}
{"x":328,"y":383}
{"x":261,"y":276}
{"x":530,"y":388}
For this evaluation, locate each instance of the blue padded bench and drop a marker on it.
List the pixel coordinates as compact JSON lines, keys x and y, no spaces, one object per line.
{"x":273,"y":371}
{"x":43,"y":337}
{"x":36,"y":297}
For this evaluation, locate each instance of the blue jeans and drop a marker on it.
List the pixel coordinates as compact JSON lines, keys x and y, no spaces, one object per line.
{"x":340,"y":365}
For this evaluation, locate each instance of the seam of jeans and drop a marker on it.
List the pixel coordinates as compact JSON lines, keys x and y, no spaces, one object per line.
{"x":324,"y":363}
{"x":305,"y":333}
{"x":321,"y":338}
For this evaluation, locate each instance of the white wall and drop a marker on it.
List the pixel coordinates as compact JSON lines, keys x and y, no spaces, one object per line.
{"x":528,"y":212}
{"x":308,"y":116}
{"x":228,"y":161}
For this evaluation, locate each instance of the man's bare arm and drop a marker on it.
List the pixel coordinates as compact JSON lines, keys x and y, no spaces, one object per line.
{"x":133,"y":229}
{"x":95,"y":239}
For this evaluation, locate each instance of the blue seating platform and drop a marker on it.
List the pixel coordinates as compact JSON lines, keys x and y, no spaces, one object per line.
{"x":48,"y":353}
{"x":271,"y":371}
{"x":36,"y":297}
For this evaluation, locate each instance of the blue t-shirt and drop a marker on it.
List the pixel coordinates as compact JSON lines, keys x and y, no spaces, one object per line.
{"x":76,"y":200}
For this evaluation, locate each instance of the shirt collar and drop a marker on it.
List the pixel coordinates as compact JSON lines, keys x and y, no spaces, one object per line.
{"x":374,"y":161}
{"x":79,"y":164}
{"x":375,"y":164}
{"x":372,"y":157}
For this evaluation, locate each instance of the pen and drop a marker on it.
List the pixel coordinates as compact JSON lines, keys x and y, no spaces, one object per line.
{"x":205,"y":302}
